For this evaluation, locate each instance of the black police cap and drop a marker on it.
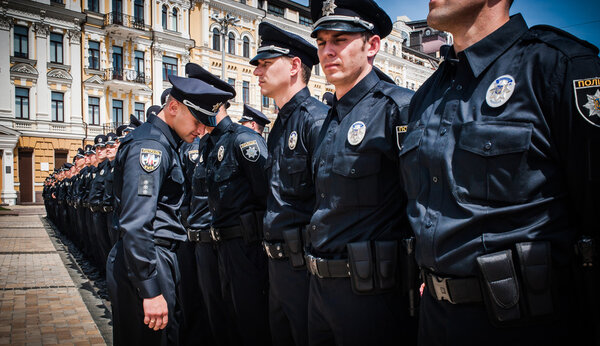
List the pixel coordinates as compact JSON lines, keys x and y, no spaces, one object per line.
{"x":277,"y":42}
{"x":153,"y":110}
{"x":100,"y":141}
{"x":111,"y":138}
{"x":134,"y":121}
{"x":328,"y":98}
{"x":196,"y":71}
{"x":349,"y":16}
{"x":80,"y":153}
{"x":89,"y":149}
{"x":68,"y":165}
{"x":251,"y":114}
{"x":202,"y":99}
{"x":120,"y":130}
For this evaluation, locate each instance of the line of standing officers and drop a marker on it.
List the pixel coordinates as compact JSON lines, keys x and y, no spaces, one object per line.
{"x":469,"y":204}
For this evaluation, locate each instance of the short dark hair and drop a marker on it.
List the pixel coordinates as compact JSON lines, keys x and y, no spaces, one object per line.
{"x":366,"y":35}
{"x":306,"y":71}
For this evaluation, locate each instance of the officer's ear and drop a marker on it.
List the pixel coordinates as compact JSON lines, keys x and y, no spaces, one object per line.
{"x":372,"y":46}
{"x":296,"y":69}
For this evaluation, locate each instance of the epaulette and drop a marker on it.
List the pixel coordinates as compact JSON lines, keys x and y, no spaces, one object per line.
{"x":401,"y":96}
{"x":566,"y":43}
{"x":313,"y":106}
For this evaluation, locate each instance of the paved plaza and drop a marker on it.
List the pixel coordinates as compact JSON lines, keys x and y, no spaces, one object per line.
{"x":45,"y":298}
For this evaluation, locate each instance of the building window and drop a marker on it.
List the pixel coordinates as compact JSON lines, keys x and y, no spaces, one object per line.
{"x":94,"y":5}
{"x":21,"y":103}
{"x":117,"y":115}
{"x":246,"y":47}
{"x":246,"y":91}
{"x":58,"y":106}
{"x":216,"y":39}
{"x":139,"y":66}
{"x":57,"y":1}
{"x":139,"y":111}
{"x":231,"y":82}
{"x":94,"y":111}
{"x":169,"y":67}
{"x":275,"y":10}
{"x":94,"y":55}
{"x":21,"y":40}
{"x":174,"y":20}
{"x":305,"y":21}
{"x":317,"y":70}
{"x":385,"y":47}
{"x":394,"y":50}
{"x":138,"y":11}
{"x":231,"y":43}
{"x":117,"y":62}
{"x":117,"y":7}
{"x":265,"y":102}
{"x":164,"y":17}
{"x":56,"y":48}
{"x":243,"y":2}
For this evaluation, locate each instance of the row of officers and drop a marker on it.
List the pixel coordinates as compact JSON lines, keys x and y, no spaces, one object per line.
{"x":462,"y":214}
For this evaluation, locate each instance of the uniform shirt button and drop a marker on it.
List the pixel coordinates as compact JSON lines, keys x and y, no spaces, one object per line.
{"x":429,"y":224}
{"x":459,"y":87}
{"x":322,"y":195}
{"x":487,"y":146}
{"x":322,"y":162}
{"x":352,"y":171}
{"x":314,"y":227}
{"x":435,"y":179}
{"x":443,"y":131}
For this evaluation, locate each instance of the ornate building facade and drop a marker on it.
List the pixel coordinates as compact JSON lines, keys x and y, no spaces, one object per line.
{"x":78,"y":68}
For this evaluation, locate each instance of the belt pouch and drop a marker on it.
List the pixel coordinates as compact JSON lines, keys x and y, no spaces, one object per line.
{"x":386,"y":262}
{"x":535,"y":263}
{"x":259,"y":216}
{"x":292,"y":240}
{"x":501,"y":286}
{"x":361,"y":267}
{"x":248,"y":222}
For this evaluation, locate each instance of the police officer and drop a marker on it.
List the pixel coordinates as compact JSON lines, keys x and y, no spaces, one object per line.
{"x":500,"y":168}
{"x":254,"y":119}
{"x":235,"y":157}
{"x":142,"y":269}
{"x":112,"y":146}
{"x":283,"y":65}
{"x":96,"y":196}
{"x":358,"y":223}
{"x":328,"y":98}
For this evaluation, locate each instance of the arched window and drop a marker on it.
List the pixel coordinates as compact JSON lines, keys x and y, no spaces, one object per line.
{"x":394,"y":50}
{"x":164,"y":17}
{"x":246,"y":47}
{"x":231,"y":43}
{"x":385,"y":47}
{"x":174,"y":20}
{"x":216,"y":39}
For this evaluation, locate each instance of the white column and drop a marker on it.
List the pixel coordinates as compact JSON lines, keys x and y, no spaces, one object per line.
{"x":76,"y":92}
{"x":205,"y":24}
{"x":5,"y":102}
{"x":43,"y":93}
{"x":9,"y":195}
{"x":157,"y":82}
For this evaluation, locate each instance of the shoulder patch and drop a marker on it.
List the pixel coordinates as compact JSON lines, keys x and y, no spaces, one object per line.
{"x":150,"y":159}
{"x":587,"y":99}
{"x":250,"y":150}
{"x":193,"y":155}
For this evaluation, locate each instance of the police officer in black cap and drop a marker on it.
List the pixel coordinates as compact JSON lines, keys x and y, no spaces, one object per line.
{"x":234,"y":172}
{"x":142,"y":269}
{"x":254,"y":119}
{"x":328,"y":98}
{"x":112,"y":145}
{"x":283,"y":65}
{"x":356,"y":231}
{"x":96,"y":197}
{"x":501,"y":169}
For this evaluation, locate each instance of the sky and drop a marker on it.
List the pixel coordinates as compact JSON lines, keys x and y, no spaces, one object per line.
{"x":578,"y":17}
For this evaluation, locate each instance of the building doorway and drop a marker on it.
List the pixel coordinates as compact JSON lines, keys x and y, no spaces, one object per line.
{"x":25,"y":176}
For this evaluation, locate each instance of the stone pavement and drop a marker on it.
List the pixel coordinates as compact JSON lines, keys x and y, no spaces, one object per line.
{"x":43,"y":296}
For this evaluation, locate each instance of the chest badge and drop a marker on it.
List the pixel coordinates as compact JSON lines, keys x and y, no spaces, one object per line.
{"x":587,"y":99}
{"x":201,"y":159}
{"x":193,"y":155}
{"x":356,"y":133}
{"x":220,"y":153}
{"x":102,"y":171}
{"x":112,"y":170}
{"x":250,"y":151}
{"x":400,"y":132}
{"x":500,"y":91}
{"x":150,"y":159}
{"x":293,"y":140}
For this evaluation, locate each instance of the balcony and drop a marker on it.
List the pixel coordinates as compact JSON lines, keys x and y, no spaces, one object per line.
{"x":117,"y":23}
{"x":125,"y":75}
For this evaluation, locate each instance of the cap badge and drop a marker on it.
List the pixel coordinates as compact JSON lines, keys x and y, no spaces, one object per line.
{"x":220,"y":153}
{"x":500,"y":91}
{"x":250,"y":150}
{"x":216,"y":107}
{"x":356,"y":133}
{"x":193,"y":155}
{"x":293,"y":140}
{"x":329,"y":7}
{"x":587,"y":99}
{"x":150,"y":159}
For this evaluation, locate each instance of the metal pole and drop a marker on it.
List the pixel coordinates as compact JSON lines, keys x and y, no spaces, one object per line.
{"x":223,"y":32}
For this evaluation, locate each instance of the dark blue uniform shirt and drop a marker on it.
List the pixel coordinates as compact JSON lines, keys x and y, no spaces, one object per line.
{"x":480,"y":178}
{"x":96,"y":193}
{"x":235,"y":173}
{"x":291,"y":145}
{"x":107,"y":198}
{"x":148,"y":187}
{"x":200,"y":216}
{"x":359,"y":196}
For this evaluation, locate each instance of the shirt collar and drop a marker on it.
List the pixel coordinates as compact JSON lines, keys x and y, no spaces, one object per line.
{"x":483,"y":53}
{"x":352,"y":97}
{"x":171,"y":135}
{"x":221,"y":127}
{"x":293,"y":103}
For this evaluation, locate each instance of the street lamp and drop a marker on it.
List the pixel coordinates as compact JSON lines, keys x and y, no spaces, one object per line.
{"x":225,"y":22}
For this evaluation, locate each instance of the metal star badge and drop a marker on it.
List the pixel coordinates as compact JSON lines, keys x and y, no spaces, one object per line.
{"x":328,"y":7}
{"x":593,"y":104}
{"x":251,"y":152}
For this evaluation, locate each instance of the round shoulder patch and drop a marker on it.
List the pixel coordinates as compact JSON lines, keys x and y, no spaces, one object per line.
{"x":150,"y":159}
{"x":220,"y":153}
{"x":250,"y":151}
{"x":587,"y":99}
{"x":356,"y":133}
{"x":293,"y":140}
{"x":500,"y":91}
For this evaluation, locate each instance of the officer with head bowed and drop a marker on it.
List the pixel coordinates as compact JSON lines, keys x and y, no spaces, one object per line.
{"x":500,"y":164}
{"x":356,"y":232}
{"x":142,"y":269}
{"x":254,"y":119}
{"x":283,"y":66}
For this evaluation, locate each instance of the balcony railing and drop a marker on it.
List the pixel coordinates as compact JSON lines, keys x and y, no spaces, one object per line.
{"x":118,"y":18}
{"x":127,"y":75}
{"x":112,"y":126}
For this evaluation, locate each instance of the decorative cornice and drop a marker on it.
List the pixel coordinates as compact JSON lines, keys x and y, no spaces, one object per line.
{"x":94,"y":80}
{"x":74,"y":36}
{"x":5,"y":22}
{"x":24,"y":68}
{"x":58,"y":73}
{"x":41,"y":29}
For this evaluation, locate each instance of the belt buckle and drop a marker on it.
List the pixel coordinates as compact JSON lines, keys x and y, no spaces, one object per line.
{"x":313,"y":265}
{"x":440,"y":286}
{"x":267,"y":248}
{"x":214,"y":234}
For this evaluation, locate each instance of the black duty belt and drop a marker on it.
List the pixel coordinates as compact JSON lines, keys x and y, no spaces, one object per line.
{"x":220,"y":234}
{"x":170,"y":244}
{"x":107,"y":208}
{"x":95,"y":208}
{"x":327,"y":268}
{"x":199,"y":236}
{"x":275,"y":250}
{"x":453,"y":290}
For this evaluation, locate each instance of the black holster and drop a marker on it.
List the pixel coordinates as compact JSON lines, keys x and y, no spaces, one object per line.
{"x":293,"y":242}
{"x":410,"y":274}
{"x":252,"y":224}
{"x":373,"y":266}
